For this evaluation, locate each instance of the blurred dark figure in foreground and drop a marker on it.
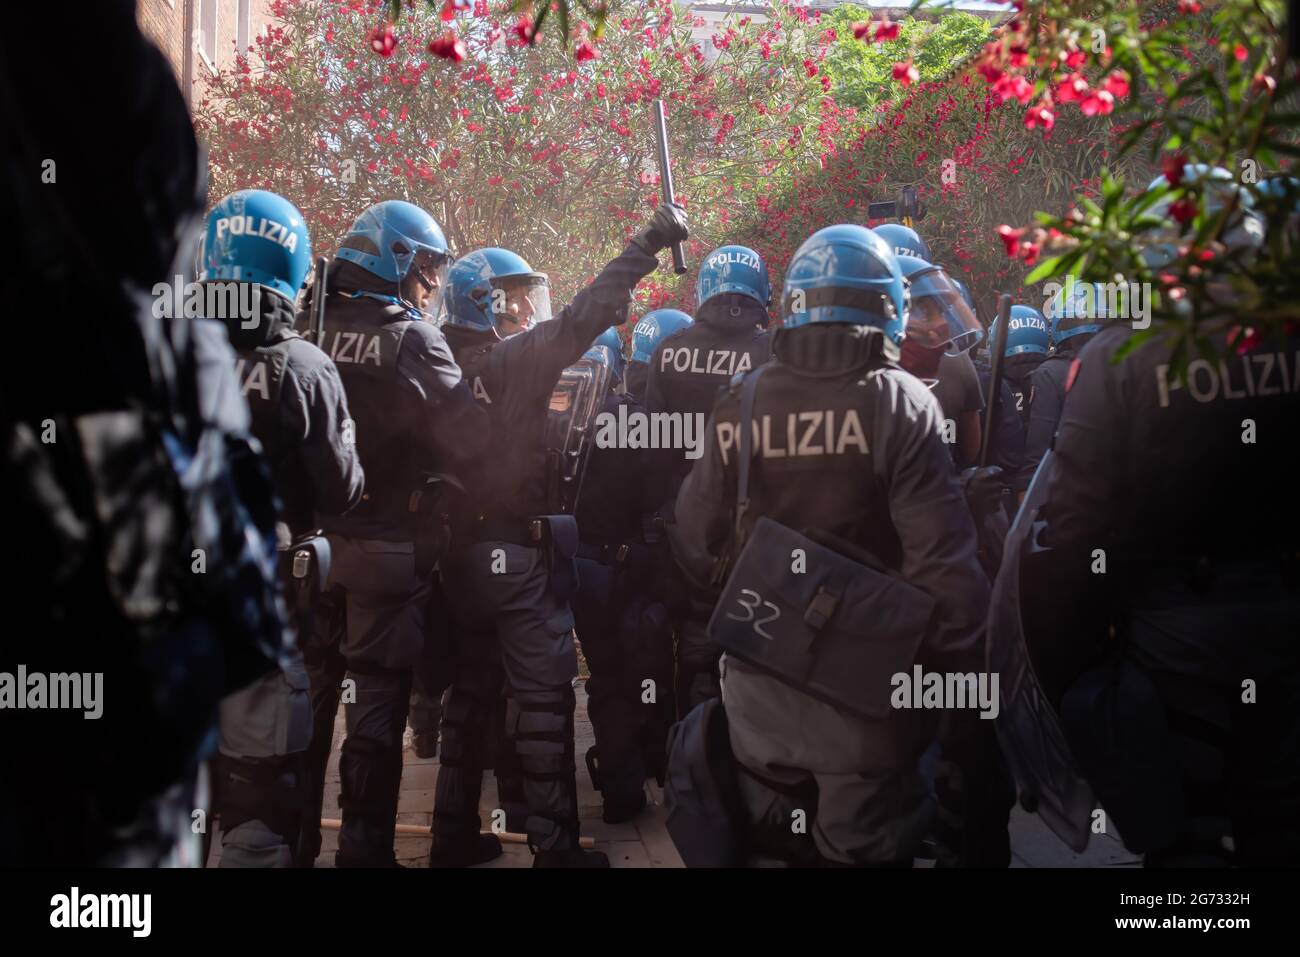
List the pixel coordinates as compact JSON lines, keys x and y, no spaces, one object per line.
{"x":147,"y":579}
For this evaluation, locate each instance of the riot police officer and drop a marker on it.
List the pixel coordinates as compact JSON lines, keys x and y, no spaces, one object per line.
{"x":729,"y":336}
{"x":1027,"y":345}
{"x":1181,"y":673}
{"x":622,"y":629}
{"x":1075,"y":315}
{"x":878,"y":478}
{"x":653,"y":328}
{"x":1187,"y":725}
{"x":947,"y":366}
{"x":904,"y":241}
{"x":298,"y":412}
{"x":510,"y":575}
{"x":414,"y":417}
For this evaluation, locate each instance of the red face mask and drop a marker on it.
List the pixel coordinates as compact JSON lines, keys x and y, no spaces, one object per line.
{"x":922,"y":363}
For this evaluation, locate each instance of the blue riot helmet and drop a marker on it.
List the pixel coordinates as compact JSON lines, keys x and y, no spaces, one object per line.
{"x":1077,"y":307}
{"x":1218,"y":185}
{"x":391,"y":237}
{"x":653,"y":329}
{"x":939,"y":315}
{"x":1027,"y":331}
{"x":965,"y":293}
{"x":495,"y":290}
{"x":846,"y":274}
{"x":256,"y":237}
{"x":608,"y":350}
{"x":1281,"y":196}
{"x":903,"y":240}
{"x":733,"y":269}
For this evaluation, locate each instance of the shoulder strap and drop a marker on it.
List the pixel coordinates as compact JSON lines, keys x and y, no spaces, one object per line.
{"x":748,"y":390}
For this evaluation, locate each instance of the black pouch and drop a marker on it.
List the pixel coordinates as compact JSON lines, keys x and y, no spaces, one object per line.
{"x":431,"y":506}
{"x":839,"y":630}
{"x":304,"y":568}
{"x":558,"y":537}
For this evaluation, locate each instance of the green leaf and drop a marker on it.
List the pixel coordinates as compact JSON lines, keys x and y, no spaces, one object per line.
{"x":1043,"y":270}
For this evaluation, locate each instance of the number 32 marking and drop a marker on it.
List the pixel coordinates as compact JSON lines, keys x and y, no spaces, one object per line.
{"x":751,"y":607}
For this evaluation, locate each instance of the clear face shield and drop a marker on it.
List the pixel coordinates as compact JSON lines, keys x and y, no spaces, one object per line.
{"x":429,"y":289}
{"x":939,"y":315}
{"x":519,"y":303}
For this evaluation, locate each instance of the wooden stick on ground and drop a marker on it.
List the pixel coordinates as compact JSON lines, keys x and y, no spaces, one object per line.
{"x":415,"y":830}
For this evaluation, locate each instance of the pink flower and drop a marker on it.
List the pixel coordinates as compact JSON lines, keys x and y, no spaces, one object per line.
{"x":585,"y":51}
{"x":1040,"y":116}
{"x":886,"y":30}
{"x":1172,"y":168}
{"x":1117,"y":84}
{"x":382,"y":41}
{"x":1184,"y":210}
{"x":523,"y":29}
{"x":1010,"y":238}
{"x":1073,"y":89}
{"x":449,"y":47}
{"x":1189,"y":6}
{"x":1097,"y":102}
{"x":862,"y":30}
{"x":1017,"y":87}
{"x":1263,"y":83}
{"x":905,"y":73}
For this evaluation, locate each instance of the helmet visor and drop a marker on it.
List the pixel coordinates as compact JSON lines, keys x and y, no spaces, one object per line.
{"x":939,"y":315}
{"x":430,"y":268}
{"x":519,"y":303}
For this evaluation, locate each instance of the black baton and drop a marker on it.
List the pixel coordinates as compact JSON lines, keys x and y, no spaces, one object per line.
{"x":666,"y":179}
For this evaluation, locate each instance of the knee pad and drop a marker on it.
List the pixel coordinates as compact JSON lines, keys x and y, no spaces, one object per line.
{"x":541,"y":727}
{"x":370,"y":774}
{"x":466,"y":717}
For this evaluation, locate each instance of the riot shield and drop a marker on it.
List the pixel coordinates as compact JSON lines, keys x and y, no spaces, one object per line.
{"x":1028,"y":728}
{"x":575,"y":402}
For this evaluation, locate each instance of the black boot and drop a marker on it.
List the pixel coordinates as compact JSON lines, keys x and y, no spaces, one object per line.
{"x":426,"y":744}
{"x":464,"y":851}
{"x":622,"y":808}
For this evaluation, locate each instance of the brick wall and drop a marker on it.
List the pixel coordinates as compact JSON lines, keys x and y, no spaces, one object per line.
{"x":163,"y":22}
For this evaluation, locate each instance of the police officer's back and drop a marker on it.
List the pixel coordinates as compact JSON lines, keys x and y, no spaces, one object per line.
{"x":849,"y":443}
{"x":729,"y":336}
{"x":255,"y":255}
{"x":414,"y":417}
{"x":510,"y":575}
{"x":1075,"y":316}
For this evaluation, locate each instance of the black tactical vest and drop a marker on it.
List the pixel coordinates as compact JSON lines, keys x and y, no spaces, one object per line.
{"x":364,"y":337}
{"x":690,"y":367}
{"x":815,"y":441}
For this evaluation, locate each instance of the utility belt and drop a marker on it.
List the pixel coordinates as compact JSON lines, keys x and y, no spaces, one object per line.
{"x":555,"y":535}
{"x":304,"y":568}
{"x":626,"y":555}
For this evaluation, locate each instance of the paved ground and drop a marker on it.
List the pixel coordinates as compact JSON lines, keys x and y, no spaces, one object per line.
{"x":645,"y":842}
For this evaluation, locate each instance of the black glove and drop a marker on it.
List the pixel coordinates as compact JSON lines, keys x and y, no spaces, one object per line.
{"x":984,"y":489}
{"x":667,"y":226}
